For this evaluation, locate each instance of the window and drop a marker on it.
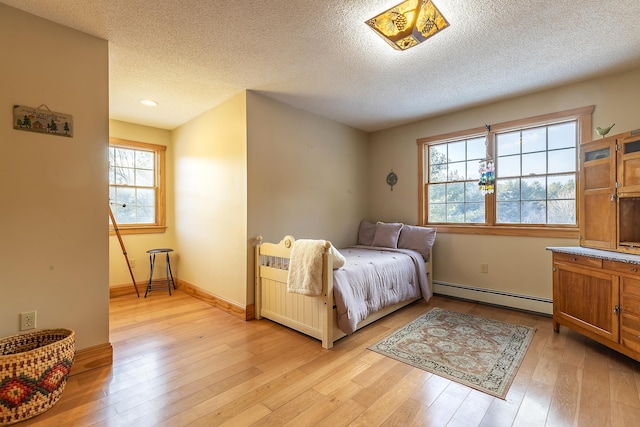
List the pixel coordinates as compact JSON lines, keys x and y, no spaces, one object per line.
{"x":535,"y":164}
{"x":136,"y":185}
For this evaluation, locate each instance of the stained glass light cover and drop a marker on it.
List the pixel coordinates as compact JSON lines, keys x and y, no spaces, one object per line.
{"x":409,"y":23}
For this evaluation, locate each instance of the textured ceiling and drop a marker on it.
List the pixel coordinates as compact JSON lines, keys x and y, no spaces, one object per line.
{"x":318,"y":55}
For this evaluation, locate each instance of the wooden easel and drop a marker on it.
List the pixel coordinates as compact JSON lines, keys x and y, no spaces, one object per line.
{"x":124,"y":250}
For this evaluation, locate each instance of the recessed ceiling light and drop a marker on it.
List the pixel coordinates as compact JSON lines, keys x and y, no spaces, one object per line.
{"x":149,"y":102}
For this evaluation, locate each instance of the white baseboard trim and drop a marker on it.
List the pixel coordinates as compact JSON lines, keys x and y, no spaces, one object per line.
{"x":495,"y":297}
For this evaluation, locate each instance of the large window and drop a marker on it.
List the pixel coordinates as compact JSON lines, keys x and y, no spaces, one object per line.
{"x":136,"y":185}
{"x":535,"y":163}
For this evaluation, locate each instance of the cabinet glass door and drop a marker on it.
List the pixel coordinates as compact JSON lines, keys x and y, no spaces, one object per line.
{"x":629,"y":164}
{"x":598,"y":194}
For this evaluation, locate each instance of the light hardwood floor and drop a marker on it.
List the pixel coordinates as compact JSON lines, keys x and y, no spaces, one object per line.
{"x":179,"y":361}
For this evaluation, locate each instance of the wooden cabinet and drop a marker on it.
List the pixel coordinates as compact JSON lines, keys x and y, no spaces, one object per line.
{"x":597,"y":293}
{"x":596,"y":287}
{"x":609,"y":214}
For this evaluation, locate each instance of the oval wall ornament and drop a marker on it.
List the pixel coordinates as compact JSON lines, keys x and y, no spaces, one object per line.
{"x":392,"y":179}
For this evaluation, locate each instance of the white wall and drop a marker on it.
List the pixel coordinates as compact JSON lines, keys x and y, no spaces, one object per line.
{"x":136,"y":245}
{"x":54,"y":252}
{"x":518,"y":265}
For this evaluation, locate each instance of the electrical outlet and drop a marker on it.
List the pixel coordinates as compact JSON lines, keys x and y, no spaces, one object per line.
{"x":132,"y":263}
{"x":27,"y":320}
{"x":484,"y":268}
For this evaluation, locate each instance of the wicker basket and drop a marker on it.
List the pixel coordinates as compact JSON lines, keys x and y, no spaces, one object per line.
{"x":34,"y":368}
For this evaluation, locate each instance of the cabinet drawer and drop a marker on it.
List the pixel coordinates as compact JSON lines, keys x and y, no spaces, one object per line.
{"x":630,"y":331}
{"x":631,"y":305}
{"x":630,"y":286}
{"x":622,"y":267}
{"x":630,"y":339}
{"x":577,"y":259}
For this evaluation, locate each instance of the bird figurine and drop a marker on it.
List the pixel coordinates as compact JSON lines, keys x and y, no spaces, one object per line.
{"x":603,"y":131}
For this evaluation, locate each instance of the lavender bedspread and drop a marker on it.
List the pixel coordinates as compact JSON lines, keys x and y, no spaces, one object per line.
{"x":374,"y":278}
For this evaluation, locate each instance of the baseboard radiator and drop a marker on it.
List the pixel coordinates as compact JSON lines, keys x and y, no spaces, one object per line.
{"x":494,"y":297}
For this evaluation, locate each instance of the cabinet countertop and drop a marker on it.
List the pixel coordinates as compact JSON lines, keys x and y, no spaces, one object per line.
{"x":597,"y":253}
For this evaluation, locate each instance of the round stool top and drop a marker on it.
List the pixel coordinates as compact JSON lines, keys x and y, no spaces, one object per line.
{"x":159,"y":250}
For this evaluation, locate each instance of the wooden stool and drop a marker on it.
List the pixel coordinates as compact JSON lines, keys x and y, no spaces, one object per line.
{"x":168,"y":280}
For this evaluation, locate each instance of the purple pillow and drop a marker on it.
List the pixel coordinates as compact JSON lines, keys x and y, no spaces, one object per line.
{"x":366,"y":232}
{"x":387,"y":234}
{"x":417,"y":238}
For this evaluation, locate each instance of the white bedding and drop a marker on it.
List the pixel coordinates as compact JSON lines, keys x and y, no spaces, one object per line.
{"x":373,"y":278}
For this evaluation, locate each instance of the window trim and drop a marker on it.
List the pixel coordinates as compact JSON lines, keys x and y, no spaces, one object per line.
{"x":161,"y":216}
{"x":583,"y":115}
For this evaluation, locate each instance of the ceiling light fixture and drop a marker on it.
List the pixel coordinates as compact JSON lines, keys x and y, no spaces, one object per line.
{"x":149,"y":102}
{"x":409,"y":23}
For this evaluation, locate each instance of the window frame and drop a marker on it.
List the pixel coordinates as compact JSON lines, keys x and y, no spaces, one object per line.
{"x":159,"y":226}
{"x":583,"y":117}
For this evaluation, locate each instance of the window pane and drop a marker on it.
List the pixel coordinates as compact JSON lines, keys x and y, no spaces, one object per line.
{"x":508,"y":212}
{"x":457,"y":151}
{"x":533,"y":189}
{"x":472,"y":193}
{"x":534,"y":140}
{"x":437,"y":213}
{"x":145,"y":197}
{"x":124,"y":158}
{"x":437,"y":193}
{"x":561,"y":187}
{"x":144,"y":159}
{"x":475,"y":213}
{"x":534,"y":164}
{"x":508,"y":189}
{"x":457,"y":171}
{"x":145,"y":215}
{"x":473,"y":169}
{"x":476,"y":149}
{"x":144,"y":178}
{"x":124,"y":214}
{"x":126,"y":195}
{"x":438,"y":173}
{"x":508,"y":166}
{"x":562,"y":211}
{"x":124,"y":176}
{"x":455,"y":192}
{"x":508,"y":143}
{"x":562,"y":135}
{"x":455,"y":212}
{"x":562,"y":160}
{"x":438,"y":154}
{"x":534,"y":212}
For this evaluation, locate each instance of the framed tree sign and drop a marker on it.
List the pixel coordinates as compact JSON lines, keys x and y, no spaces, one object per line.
{"x":42,"y":120}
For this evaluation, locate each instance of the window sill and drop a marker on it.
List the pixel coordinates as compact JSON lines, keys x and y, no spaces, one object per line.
{"x":138,"y":229}
{"x":570,"y":232}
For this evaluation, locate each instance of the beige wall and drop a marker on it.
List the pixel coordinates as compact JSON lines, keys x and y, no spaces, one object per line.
{"x":518,"y":265}
{"x":54,"y":252}
{"x":210,"y":164}
{"x":136,"y":245}
{"x":307,"y":176}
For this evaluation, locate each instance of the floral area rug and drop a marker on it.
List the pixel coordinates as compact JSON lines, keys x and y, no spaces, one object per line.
{"x":477,"y":352}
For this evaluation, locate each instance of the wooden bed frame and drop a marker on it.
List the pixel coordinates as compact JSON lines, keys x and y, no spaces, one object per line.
{"x":314,"y":316}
